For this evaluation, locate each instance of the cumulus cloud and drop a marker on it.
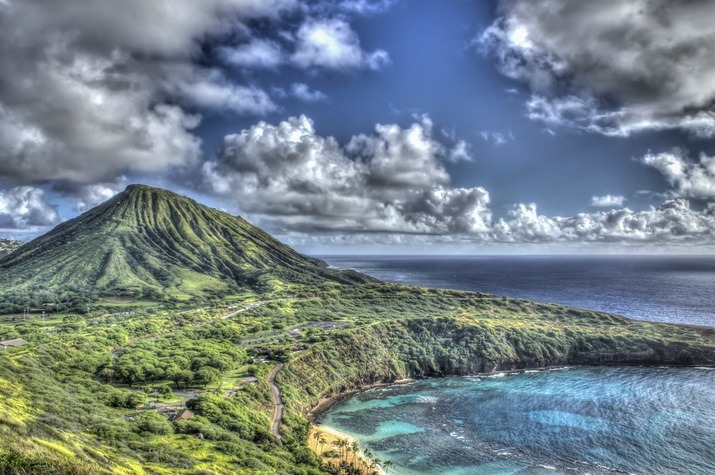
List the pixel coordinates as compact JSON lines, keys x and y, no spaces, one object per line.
{"x":25,"y":208}
{"x":689,"y":178}
{"x":674,"y":221}
{"x":90,"y":90}
{"x":332,"y":43}
{"x":614,"y":67}
{"x":394,"y":182}
{"x":607,"y":201}
{"x":391,"y":181}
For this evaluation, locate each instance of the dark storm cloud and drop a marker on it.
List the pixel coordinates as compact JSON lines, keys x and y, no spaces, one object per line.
{"x":91,"y":89}
{"x":613,"y":67}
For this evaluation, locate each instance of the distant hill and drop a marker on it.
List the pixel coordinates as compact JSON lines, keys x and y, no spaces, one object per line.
{"x":9,"y":245}
{"x":152,"y":243}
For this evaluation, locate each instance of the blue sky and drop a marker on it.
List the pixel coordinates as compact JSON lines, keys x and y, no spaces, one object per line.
{"x":372,"y":126}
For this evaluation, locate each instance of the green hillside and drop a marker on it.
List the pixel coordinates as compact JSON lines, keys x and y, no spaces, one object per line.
{"x":99,"y":390}
{"x":93,"y":398}
{"x":153,"y":244}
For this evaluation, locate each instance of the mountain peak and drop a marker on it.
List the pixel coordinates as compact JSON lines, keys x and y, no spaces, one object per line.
{"x":150,"y":242}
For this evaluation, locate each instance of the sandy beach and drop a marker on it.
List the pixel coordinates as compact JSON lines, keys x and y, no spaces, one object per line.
{"x":331,"y":436}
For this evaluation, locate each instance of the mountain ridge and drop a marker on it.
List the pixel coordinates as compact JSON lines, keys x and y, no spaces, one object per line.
{"x":153,"y":243}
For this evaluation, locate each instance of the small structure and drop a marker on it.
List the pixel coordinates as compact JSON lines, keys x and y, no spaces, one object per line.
{"x":12,"y":343}
{"x":184,"y":415}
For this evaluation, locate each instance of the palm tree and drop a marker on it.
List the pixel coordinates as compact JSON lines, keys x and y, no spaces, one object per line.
{"x":356,"y":449}
{"x":387,"y":464}
{"x":321,"y":442}
{"x":316,"y":438}
{"x":341,"y":444}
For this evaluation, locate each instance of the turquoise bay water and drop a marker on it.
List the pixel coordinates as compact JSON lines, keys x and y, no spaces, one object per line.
{"x":595,"y":420}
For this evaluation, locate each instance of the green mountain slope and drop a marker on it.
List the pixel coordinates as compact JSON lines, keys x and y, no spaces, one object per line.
{"x":152,"y":243}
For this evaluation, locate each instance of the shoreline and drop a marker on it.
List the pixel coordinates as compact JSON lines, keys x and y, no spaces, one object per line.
{"x":316,"y":414}
{"x":341,"y":435}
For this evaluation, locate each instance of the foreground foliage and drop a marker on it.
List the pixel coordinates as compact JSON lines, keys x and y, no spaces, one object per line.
{"x":81,"y":400}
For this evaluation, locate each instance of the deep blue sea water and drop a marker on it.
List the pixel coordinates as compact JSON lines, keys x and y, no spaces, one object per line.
{"x":595,"y":420}
{"x":677,"y":289}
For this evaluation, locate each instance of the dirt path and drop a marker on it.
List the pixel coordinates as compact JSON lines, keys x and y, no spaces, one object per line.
{"x":277,"y":401}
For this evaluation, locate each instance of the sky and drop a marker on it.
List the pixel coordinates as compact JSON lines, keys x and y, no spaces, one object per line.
{"x":371,"y":126}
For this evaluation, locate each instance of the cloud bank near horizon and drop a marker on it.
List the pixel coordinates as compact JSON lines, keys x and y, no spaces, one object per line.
{"x":93,"y":97}
{"x":394,"y":181}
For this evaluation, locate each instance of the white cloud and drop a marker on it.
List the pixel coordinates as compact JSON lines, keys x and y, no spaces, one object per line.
{"x":331,"y":43}
{"x":392,"y":181}
{"x":25,"y":208}
{"x":690,"y":179}
{"x":362,"y":7}
{"x":616,"y":67}
{"x":209,"y":88}
{"x":607,"y":201}
{"x":90,"y":90}
{"x":675,"y":221}
{"x":496,"y":138}
{"x":304,"y":93}
{"x":258,"y":53}
{"x":461,"y":151}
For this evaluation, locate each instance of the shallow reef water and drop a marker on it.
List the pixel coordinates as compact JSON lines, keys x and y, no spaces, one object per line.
{"x":580,"y":420}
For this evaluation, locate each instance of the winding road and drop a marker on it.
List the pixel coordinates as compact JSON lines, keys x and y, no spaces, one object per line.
{"x":277,"y":401}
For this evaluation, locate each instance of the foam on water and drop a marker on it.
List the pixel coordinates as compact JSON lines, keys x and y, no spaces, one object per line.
{"x":597,"y":420}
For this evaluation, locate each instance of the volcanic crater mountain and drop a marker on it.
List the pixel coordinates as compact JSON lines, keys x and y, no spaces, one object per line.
{"x":149,"y":242}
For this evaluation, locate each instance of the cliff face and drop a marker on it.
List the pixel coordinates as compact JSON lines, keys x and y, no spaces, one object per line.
{"x":423,"y":348}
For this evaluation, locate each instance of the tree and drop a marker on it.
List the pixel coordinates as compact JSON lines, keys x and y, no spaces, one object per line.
{"x":181,"y":378}
{"x":206,"y":375}
{"x":355,"y":449}
{"x":165,"y":391}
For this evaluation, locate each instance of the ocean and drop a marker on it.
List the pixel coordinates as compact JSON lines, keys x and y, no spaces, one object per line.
{"x":587,"y":420}
{"x":675,"y":289}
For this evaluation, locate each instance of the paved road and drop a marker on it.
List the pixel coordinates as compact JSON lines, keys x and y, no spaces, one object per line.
{"x":277,"y":401}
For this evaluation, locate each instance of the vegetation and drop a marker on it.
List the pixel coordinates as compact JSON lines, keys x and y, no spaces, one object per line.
{"x":9,"y":245}
{"x":147,"y":243}
{"x":101,"y":387}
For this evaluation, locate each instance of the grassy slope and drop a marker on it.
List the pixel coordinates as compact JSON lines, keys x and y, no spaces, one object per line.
{"x":56,"y":411}
{"x":151,"y":242}
{"x":65,"y":407}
